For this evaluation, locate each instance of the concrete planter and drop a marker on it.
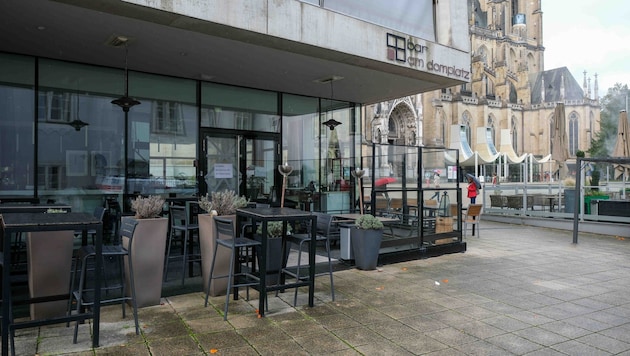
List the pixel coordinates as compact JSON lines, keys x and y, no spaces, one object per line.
{"x":366,"y":245}
{"x":147,"y":253}
{"x":207,"y":238}
{"x":49,"y":264}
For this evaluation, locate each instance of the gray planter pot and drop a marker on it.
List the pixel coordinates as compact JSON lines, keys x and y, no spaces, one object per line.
{"x":207,"y":238}
{"x":49,"y":260}
{"x":366,"y":245}
{"x":274,"y":259}
{"x":147,"y":254}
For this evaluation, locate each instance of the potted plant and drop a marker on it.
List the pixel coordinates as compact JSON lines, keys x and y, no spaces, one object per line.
{"x":274,"y":249}
{"x":254,"y":186}
{"x":366,"y":241}
{"x":223,"y":203}
{"x":147,"y":250}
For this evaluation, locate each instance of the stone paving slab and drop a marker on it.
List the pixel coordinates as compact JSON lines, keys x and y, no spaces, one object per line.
{"x":516,"y":290}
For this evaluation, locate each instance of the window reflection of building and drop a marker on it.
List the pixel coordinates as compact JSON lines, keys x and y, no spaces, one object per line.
{"x":54,"y":106}
{"x":167,"y":118}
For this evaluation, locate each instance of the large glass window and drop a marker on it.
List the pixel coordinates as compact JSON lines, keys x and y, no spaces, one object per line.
{"x":235,"y":108}
{"x":79,"y":134}
{"x":163,"y":133}
{"x":322,"y":157}
{"x":17,"y":169}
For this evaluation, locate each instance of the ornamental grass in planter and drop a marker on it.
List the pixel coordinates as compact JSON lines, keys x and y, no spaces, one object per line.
{"x":366,"y":241}
{"x":147,"y":249}
{"x":223,"y":203}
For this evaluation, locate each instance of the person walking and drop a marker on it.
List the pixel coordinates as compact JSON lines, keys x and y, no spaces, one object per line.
{"x":472,"y":190}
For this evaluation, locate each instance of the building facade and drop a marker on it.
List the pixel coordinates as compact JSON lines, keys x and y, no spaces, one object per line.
{"x":104,"y":100}
{"x":509,"y":89}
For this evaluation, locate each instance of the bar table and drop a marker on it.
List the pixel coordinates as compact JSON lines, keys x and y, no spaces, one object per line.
{"x":38,"y":221}
{"x":264,"y":216}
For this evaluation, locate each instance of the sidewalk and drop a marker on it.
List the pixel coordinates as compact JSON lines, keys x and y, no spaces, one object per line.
{"x":517,"y":290}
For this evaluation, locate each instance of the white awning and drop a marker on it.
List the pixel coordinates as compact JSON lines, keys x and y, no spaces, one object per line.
{"x":485,"y":147}
{"x":507,"y":150}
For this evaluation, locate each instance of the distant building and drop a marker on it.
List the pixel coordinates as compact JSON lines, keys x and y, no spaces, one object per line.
{"x":509,"y":91}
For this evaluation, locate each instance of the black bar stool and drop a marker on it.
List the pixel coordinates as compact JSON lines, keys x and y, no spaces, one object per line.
{"x":84,"y":295}
{"x":226,"y":237}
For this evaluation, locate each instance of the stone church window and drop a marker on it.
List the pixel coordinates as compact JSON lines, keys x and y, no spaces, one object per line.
{"x":514,"y":132}
{"x":466,"y":123}
{"x":573,"y":134}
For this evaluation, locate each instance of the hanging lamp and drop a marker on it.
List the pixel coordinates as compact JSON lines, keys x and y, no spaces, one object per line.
{"x":331,"y":123}
{"x":125,"y":102}
{"x":77,"y":124}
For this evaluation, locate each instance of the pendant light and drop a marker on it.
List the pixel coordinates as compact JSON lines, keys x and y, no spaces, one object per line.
{"x":331,"y":123}
{"x":125,"y":102}
{"x":77,"y":124}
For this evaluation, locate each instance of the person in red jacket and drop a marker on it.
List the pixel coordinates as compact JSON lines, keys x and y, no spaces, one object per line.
{"x":472,"y":190}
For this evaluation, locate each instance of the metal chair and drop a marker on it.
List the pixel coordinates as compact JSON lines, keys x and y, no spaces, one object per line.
{"x":184,"y":227}
{"x":99,"y":213}
{"x":327,"y":231}
{"x":84,"y":295}
{"x":473,"y":215}
{"x":226,"y":237}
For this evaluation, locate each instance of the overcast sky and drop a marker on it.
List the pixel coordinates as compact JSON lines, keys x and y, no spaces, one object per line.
{"x":588,"y":35}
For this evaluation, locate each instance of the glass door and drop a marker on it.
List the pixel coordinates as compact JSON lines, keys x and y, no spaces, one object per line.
{"x":241,"y":163}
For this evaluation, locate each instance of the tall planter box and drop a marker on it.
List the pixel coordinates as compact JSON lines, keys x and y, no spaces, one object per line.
{"x":147,"y":253}
{"x":366,"y":245}
{"x":569,"y":200}
{"x":49,"y":264}
{"x":207,"y":238}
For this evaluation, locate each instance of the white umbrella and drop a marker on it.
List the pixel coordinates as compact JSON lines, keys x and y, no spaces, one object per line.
{"x":622,"y":146}
{"x":559,"y":151}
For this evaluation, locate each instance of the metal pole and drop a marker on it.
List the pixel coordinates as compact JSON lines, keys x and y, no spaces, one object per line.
{"x":578,"y":186}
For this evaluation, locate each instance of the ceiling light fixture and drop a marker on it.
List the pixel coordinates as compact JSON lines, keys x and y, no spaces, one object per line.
{"x":125,"y":102}
{"x":330,"y":123}
{"x":77,"y":124}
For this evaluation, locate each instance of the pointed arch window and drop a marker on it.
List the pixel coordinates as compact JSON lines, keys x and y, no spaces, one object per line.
{"x":514,"y":134}
{"x":492,"y":130}
{"x":466,"y":123}
{"x":573,"y":133}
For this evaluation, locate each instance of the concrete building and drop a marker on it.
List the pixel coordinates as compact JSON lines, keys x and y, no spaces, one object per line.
{"x":214,"y":94}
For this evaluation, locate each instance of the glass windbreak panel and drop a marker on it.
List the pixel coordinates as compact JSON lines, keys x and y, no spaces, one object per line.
{"x":79,"y":136}
{"x":322,"y":154}
{"x":236,"y":108}
{"x":414,"y":206}
{"x":300,"y":130}
{"x":162,"y":141}
{"x":17,"y":171}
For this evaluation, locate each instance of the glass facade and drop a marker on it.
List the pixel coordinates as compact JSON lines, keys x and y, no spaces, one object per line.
{"x":63,"y":140}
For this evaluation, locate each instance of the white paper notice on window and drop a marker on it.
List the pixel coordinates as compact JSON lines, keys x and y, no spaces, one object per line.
{"x":223,"y":171}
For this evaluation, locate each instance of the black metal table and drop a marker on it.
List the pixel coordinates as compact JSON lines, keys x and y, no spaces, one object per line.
{"x":265,"y":215}
{"x":6,"y":208}
{"x":31,"y":222}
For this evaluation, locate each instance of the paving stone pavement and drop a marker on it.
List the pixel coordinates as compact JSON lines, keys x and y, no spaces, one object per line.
{"x":517,"y":290}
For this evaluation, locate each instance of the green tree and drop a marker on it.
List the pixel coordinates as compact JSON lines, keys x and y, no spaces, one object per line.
{"x":614,"y":101}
